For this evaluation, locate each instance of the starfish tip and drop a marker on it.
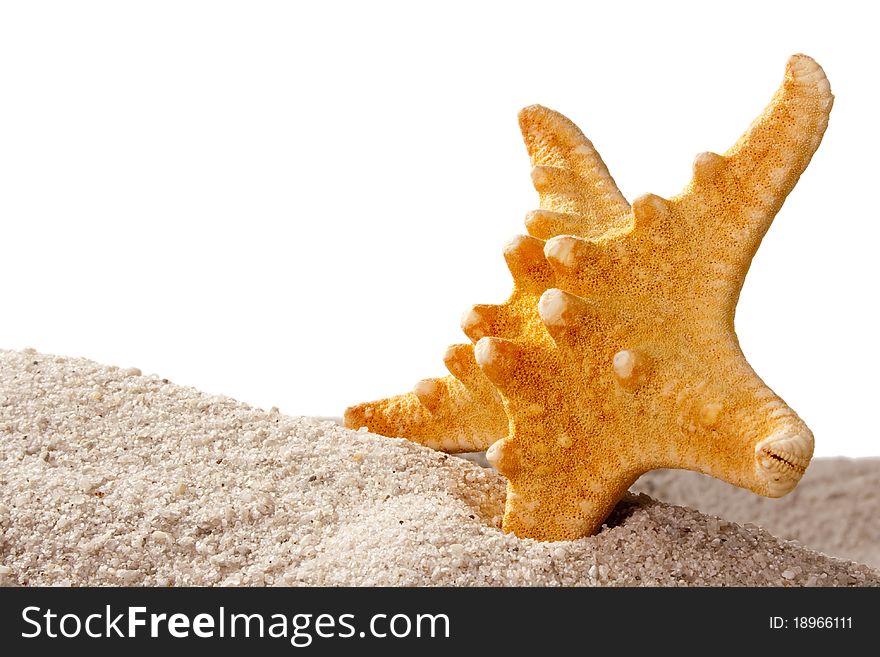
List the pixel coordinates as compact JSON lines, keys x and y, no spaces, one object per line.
{"x":533,"y":112}
{"x":782,"y":458}
{"x":806,"y":71}
{"x":355,"y":417}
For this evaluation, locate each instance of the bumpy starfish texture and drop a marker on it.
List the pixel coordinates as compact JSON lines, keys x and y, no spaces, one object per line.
{"x":629,"y":361}
{"x":463,"y":412}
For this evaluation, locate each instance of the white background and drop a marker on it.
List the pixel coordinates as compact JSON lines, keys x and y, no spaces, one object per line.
{"x":292,"y":203}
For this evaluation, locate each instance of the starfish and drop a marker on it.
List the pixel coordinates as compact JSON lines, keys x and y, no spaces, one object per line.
{"x":628,"y":359}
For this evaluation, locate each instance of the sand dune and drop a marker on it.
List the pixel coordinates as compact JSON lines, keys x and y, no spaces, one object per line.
{"x":111,"y":477}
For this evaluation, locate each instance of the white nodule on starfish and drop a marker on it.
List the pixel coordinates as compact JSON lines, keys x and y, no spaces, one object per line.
{"x":623,"y":363}
{"x":585,"y":506}
{"x":493,"y":454}
{"x":561,"y":249}
{"x":648,"y":207}
{"x":705,"y":164}
{"x":514,"y":245}
{"x":476,"y":322}
{"x":552,"y":307}
{"x":539,"y":177}
{"x":485,"y":352}
{"x":470,"y":318}
{"x":425,"y":387}
{"x":428,"y":392}
{"x":710,"y":412}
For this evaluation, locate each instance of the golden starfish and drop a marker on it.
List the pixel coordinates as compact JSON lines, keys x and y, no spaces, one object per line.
{"x":631,"y":362}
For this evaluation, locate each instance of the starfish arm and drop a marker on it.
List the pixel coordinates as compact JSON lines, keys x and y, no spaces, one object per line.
{"x":697,"y":247}
{"x":564,"y":478}
{"x":577,"y":194}
{"x":733,"y":198}
{"x":731,"y":426}
{"x":460,"y":413}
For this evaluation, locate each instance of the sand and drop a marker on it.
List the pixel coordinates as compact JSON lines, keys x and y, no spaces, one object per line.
{"x":111,"y":477}
{"x":835,"y":509}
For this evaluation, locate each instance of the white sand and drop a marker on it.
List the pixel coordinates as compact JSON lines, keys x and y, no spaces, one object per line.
{"x":835,"y":508}
{"x":109,"y":477}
